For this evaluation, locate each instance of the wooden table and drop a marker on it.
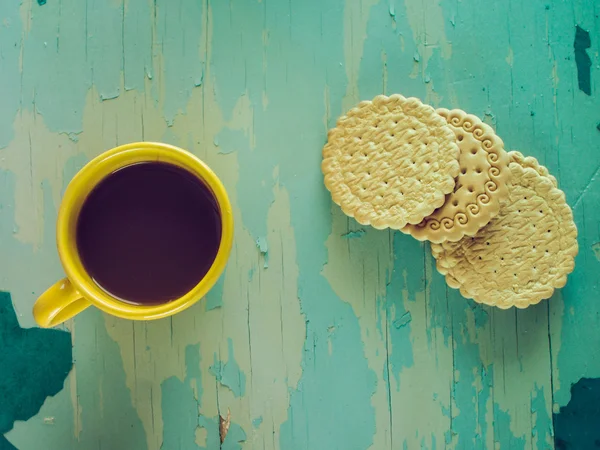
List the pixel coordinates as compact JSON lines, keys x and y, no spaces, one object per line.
{"x":322,"y":334}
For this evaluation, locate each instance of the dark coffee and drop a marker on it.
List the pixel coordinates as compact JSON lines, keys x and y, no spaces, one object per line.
{"x":149,"y":232}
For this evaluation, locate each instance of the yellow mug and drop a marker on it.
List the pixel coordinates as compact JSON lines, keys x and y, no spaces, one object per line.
{"x":77,"y":291}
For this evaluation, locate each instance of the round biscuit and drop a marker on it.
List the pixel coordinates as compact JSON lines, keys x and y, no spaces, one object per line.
{"x":390,"y":161}
{"x":480,"y":187}
{"x":524,"y":253}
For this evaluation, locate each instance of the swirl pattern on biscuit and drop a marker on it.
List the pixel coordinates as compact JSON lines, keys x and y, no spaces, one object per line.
{"x":524,"y":253}
{"x":480,"y":187}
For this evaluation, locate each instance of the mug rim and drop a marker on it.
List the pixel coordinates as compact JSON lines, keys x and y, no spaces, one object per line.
{"x":88,"y":178}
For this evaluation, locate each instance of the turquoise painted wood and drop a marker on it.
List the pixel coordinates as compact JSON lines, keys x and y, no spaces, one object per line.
{"x":322,"y":334}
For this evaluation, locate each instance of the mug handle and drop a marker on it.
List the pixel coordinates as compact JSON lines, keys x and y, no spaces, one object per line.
{"x":59,"y":303}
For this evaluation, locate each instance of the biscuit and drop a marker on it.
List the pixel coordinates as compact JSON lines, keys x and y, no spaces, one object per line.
{"x":390,"y":162}
{"x":480,"y":187}
{"x":531,"y":162}
{"x":524,"y":253}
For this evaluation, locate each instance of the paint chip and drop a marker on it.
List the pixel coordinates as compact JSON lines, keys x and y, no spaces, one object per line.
{"x":576,"y":424}
{"x":224,"y":425}
{"x":582,"y":59}
{"x":214,"y":297}
{"x":596,"y":250}
{"x":257,"y":422}
{"x":354,"y":234}
{"x":45,"y":355}
{"x":263,"y":247}
{"x":74,"y":137}
{"x":404,"y":320}
{"x":229,"y":374}
{"x":106,"y":96}
{"x":41,"y":2}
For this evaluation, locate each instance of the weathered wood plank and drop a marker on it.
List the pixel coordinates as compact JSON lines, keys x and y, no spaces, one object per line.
{"x":321,"y":334}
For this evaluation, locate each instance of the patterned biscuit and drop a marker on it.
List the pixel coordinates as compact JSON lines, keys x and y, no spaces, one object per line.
{"x":481,"y":183}
{"x":524,"y":253}
{"x":390,"y":161}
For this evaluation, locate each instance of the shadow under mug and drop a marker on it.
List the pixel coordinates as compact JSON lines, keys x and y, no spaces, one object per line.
{"x":77,"y":291}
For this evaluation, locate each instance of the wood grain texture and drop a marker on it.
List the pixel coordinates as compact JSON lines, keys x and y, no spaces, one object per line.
{"x":322,"y":334}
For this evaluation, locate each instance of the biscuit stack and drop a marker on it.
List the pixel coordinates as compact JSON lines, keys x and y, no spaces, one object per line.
{"x":500,"y":229}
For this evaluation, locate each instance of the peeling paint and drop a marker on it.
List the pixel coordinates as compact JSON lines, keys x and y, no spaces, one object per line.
{"x":181,"y":415}
{"x":354,"y":234}
{"x":583,"y":60}
{"x":576,"y":423}
{"x":263,"y":248}
{"x":230,"y":141}
{"x":596,"y":250}
{"x":179,"y":26}
{"x":214,"y":297}
{"x":224,"y":424}
{"x":34,"y":364}
{"x":257,"y":422}
{"x":229,"y":373}
{"x":403,"y":320}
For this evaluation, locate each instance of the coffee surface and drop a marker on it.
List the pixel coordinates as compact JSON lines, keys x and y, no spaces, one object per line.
{"x":149,"y":232}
